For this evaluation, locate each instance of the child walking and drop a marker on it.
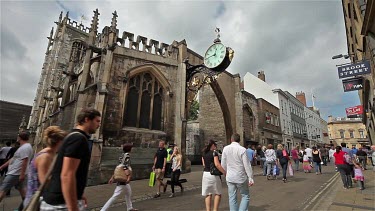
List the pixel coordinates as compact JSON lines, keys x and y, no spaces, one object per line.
{"x":358,"y":175}
{"x":306,"y":163}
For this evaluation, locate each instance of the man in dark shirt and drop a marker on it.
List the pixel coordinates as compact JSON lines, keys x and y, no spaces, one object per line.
{"x":69,"y":175}
{"x":362,"y":157}
{"x":160,"y":161}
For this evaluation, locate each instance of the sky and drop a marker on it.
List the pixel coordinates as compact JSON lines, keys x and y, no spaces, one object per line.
{"x":291,"y":41}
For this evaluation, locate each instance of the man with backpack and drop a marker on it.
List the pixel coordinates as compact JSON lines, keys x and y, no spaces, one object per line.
{"x":65,"y":190}
{"x":349,"y":159}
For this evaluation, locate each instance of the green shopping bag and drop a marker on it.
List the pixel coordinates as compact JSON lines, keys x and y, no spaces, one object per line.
{"x":151,"y":182}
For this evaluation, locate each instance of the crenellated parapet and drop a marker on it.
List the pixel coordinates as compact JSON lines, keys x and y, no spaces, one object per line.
{"x":78,"y":26}
{"x":148,"y":45}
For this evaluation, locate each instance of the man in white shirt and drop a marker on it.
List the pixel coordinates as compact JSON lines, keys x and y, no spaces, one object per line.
{"x":17,"y":168}
{"x":239,"y":173}
{"x":308,"y":151}
{"x":331,"y":152}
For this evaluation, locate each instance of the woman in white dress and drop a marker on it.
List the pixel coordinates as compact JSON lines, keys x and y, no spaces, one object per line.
{"x":211,"y":184}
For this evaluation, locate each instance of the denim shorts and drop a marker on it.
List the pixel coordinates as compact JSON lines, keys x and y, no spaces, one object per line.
{"x":12,"y":181}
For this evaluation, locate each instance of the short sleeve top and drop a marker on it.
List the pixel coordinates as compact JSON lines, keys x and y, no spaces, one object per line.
{"x":208,"y":159}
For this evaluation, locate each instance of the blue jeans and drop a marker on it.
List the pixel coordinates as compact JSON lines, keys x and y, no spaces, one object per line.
{"x":270,"y":165}
{"x":284,"y":166}
{"x":296,"y":162}
{"x":318,"y":167}
{"x":244,"y":191}
{"x":264,"y":167}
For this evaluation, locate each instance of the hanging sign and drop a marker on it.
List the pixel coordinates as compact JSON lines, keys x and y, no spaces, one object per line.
{"x":360,"y":68}
{"x":352,"y":84}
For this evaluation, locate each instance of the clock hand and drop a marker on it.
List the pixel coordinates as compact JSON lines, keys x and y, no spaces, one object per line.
{"x":211,"y":55}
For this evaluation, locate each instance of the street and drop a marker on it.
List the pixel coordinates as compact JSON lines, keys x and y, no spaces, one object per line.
{"x":296,"y":194}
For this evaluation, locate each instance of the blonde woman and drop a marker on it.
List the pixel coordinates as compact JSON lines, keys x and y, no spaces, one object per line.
{"x":176,"y":169}
{"x":282,"y":159}
{"x":39,"y":166}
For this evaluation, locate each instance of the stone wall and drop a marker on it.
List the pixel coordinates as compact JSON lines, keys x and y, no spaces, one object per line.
{"x":250,"y":104}
{"x":194,"y":142}
{"x":211,"y":120}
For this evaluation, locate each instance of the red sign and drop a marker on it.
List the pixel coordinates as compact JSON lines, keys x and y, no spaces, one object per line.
{"x":353,"y":111}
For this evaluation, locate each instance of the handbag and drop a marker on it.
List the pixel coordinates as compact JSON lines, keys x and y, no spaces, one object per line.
{"x":276,"y":170}
{"x":120,"y":174}
{"x":290,"y":169}
{"x":34,"y":204}
{"x":151,"y":182}
{"x":213,"y":169}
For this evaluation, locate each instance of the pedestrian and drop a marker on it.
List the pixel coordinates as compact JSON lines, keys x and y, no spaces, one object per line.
{"x":121,"y":187}
{"x":324,"y":155}
{"x":168,"y":165}
{"x":358,"y":175}
{"x":250,"y":153}
{"x":306,"y":163}
{"x":308,"y":151}
{"x":17,"y":168}
{"x":295,"y":157}
{"x":12,"y":151}
{"x":176,"y":170}
{"x":9,"y":156}
{"x":343,"y":167}
{"x":362,"y":157}
{"x":211,"y":184}
{"x":65,"y":190}
{"x":3,"y":154}
{"x":282,"y":160}
{"x":239,"y":173}
{"x":330,"y":153}
{"x":261,"y":157}
{"x":160,"y":162}
{"x":317,"y":159}
{"x":354,"y":150}
{"x":52,"y":137}
{"x":270,"y":159}
{"x":350,"y":153}
{"x":373,"y":157}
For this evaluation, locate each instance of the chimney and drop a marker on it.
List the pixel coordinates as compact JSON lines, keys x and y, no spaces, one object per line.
{"x":242,"y":85}
{"x":330,"y":118}
{"x":262,"y":76}
{"x":301,"y":97}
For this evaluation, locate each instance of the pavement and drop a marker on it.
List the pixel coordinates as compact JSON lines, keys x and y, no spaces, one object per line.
{"x":335,"y":197}
{"x":301,"y":192}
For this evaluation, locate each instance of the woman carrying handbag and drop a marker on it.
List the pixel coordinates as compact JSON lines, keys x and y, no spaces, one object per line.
{"x":211,"y":181}
{"x":122,"y":180}
{"x":41,"y":166}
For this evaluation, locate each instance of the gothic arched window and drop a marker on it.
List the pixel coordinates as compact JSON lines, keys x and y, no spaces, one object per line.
{"x":144,"y":103}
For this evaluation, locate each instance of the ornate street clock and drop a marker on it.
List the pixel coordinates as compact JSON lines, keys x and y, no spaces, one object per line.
{"x":218,"y":57}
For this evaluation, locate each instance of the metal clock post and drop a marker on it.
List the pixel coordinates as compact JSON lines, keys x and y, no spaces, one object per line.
{"x":216,"y":59}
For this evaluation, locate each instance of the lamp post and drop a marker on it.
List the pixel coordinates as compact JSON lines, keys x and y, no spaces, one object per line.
{"x":341,"y":56}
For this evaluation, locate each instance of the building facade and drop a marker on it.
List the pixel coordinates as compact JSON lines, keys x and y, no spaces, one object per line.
{"x":313,"y":126}
{"x":359,"y":17}
{"x":285,"y":117}
{"x":269,"y":123}
{"x":14,"y":117}
{"x":298,"y":123}
{"x":138,"y":85}
{"x":347,"y":130}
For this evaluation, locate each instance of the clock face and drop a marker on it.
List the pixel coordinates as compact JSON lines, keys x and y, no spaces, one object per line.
{"x":215,"y":55}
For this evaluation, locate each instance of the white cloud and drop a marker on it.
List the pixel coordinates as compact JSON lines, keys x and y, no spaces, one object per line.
{"x":293,"y":42}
